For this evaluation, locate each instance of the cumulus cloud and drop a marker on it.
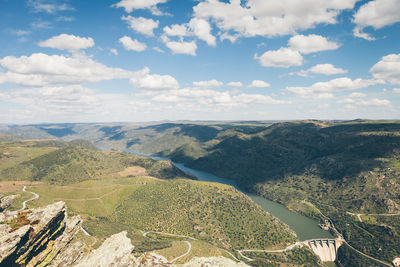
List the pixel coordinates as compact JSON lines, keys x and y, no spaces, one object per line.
{"x":311,"y":43}
{"x":235,"y":84}
{"x":141,"y":25}
{"x":68,"y":42}
{"x":367,"y":102}
{"x":324,"y":69}
{"x":284,"y":58}
{"x":42,"y":70}
{"x":258,"y":84}
{"x":202,"y":29}
{"x":208,"y":97}
{"x":176,"y":30}
{"x":181,"y":47}
{"x":130,"y":44}
{"x":210,"y":83}
{"x":130,"y":5}
{"x":324,"y":90}
{"x":60,"y":99}
{"x":196,"y":27}
{"x":144,"y":80}
{"x":270,"y":18}
{"x":396,"y":90}
{"x":388,"y":69}
{"x":376,"y":14}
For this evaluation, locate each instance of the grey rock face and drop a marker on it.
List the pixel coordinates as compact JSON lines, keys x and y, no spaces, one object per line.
{"x":5,"y":202}
{"x":115,"y":251}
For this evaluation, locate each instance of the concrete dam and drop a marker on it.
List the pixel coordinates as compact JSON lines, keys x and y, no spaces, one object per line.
{"x":326,"y":249}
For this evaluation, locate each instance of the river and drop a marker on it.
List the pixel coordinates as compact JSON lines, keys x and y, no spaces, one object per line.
{"x":304,"y":227}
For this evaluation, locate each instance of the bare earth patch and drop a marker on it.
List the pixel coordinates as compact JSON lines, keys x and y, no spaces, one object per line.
{"x":13,"y":186}
{"x":133,"y":171}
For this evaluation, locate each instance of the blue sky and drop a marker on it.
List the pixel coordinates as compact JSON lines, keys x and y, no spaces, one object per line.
{"x":150,"y":60}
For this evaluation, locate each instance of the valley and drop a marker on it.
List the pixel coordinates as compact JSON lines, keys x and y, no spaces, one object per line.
{"x":345,"y":171}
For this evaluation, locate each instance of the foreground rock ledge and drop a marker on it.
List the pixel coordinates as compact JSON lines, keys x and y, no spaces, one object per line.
{"x":45,"y":237}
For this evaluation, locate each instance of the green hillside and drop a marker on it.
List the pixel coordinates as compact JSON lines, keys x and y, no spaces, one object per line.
{"x":80,"y":161}
{"x":209,"y":211}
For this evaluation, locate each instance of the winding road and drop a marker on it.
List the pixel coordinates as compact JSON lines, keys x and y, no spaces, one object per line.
{"x":190,"y":247}
{"x":295,"y":245}
{"x":35,"y":196}
{"x":186,"y":253}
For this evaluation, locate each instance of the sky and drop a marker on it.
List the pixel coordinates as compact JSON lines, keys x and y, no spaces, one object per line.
{"x":153,"y":60}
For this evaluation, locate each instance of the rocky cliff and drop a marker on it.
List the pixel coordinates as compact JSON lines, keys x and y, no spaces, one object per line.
{"x":46,"y":236}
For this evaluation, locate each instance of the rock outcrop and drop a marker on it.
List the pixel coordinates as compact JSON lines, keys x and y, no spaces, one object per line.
{"x":47,"y":237}
{"x":115,"y":251}
{"x":36,"y":236}
{"x":6,"y":201}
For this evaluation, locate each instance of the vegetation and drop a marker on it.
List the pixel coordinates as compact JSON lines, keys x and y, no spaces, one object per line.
{"x":212,"y":212}
{"x":347,"y":257}
{"x":296,"y":257}
{"x":77,"y":161}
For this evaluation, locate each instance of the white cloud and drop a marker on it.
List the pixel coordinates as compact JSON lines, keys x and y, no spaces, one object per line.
{"x":130,"y":5}
{"x":130,"y":44}
{"x":259,"y":84}
{"x":159,"y":50}
{"x":114,"y":51}
{"x":270,"y":18}
{"x":374,"y":102}
{"x":377,"y":14}
{"x":324,"y":90}
{"x":235,"y":84}
{"x":324,"y":69}
{"x":369,"y":102}
{"x":48,"y":6}
{"x":141,"y":25}
{"x":208,"y":97}
{"x":20,"y":32}
{"x":284,"y":58}
{"x":188,"y":48}
{"x":357,"y":95}
{"x":144,"y":80}
{"x":202,"y":29}
{"x":196,"y":27}
{"x":68,"y":42}
{"x":396,"y":90}
{"x":388,"y":69}
{"x":311,"y":43}
{"x":40,"y":24}
{"x":176,"y":30}
{"x":210,"y":83}
{"x":42,"y":70}
{"x":358,"y":33}
{"x":65,"y":99}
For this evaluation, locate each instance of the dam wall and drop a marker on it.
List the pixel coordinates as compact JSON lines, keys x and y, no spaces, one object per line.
{"x":326,"y":249}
